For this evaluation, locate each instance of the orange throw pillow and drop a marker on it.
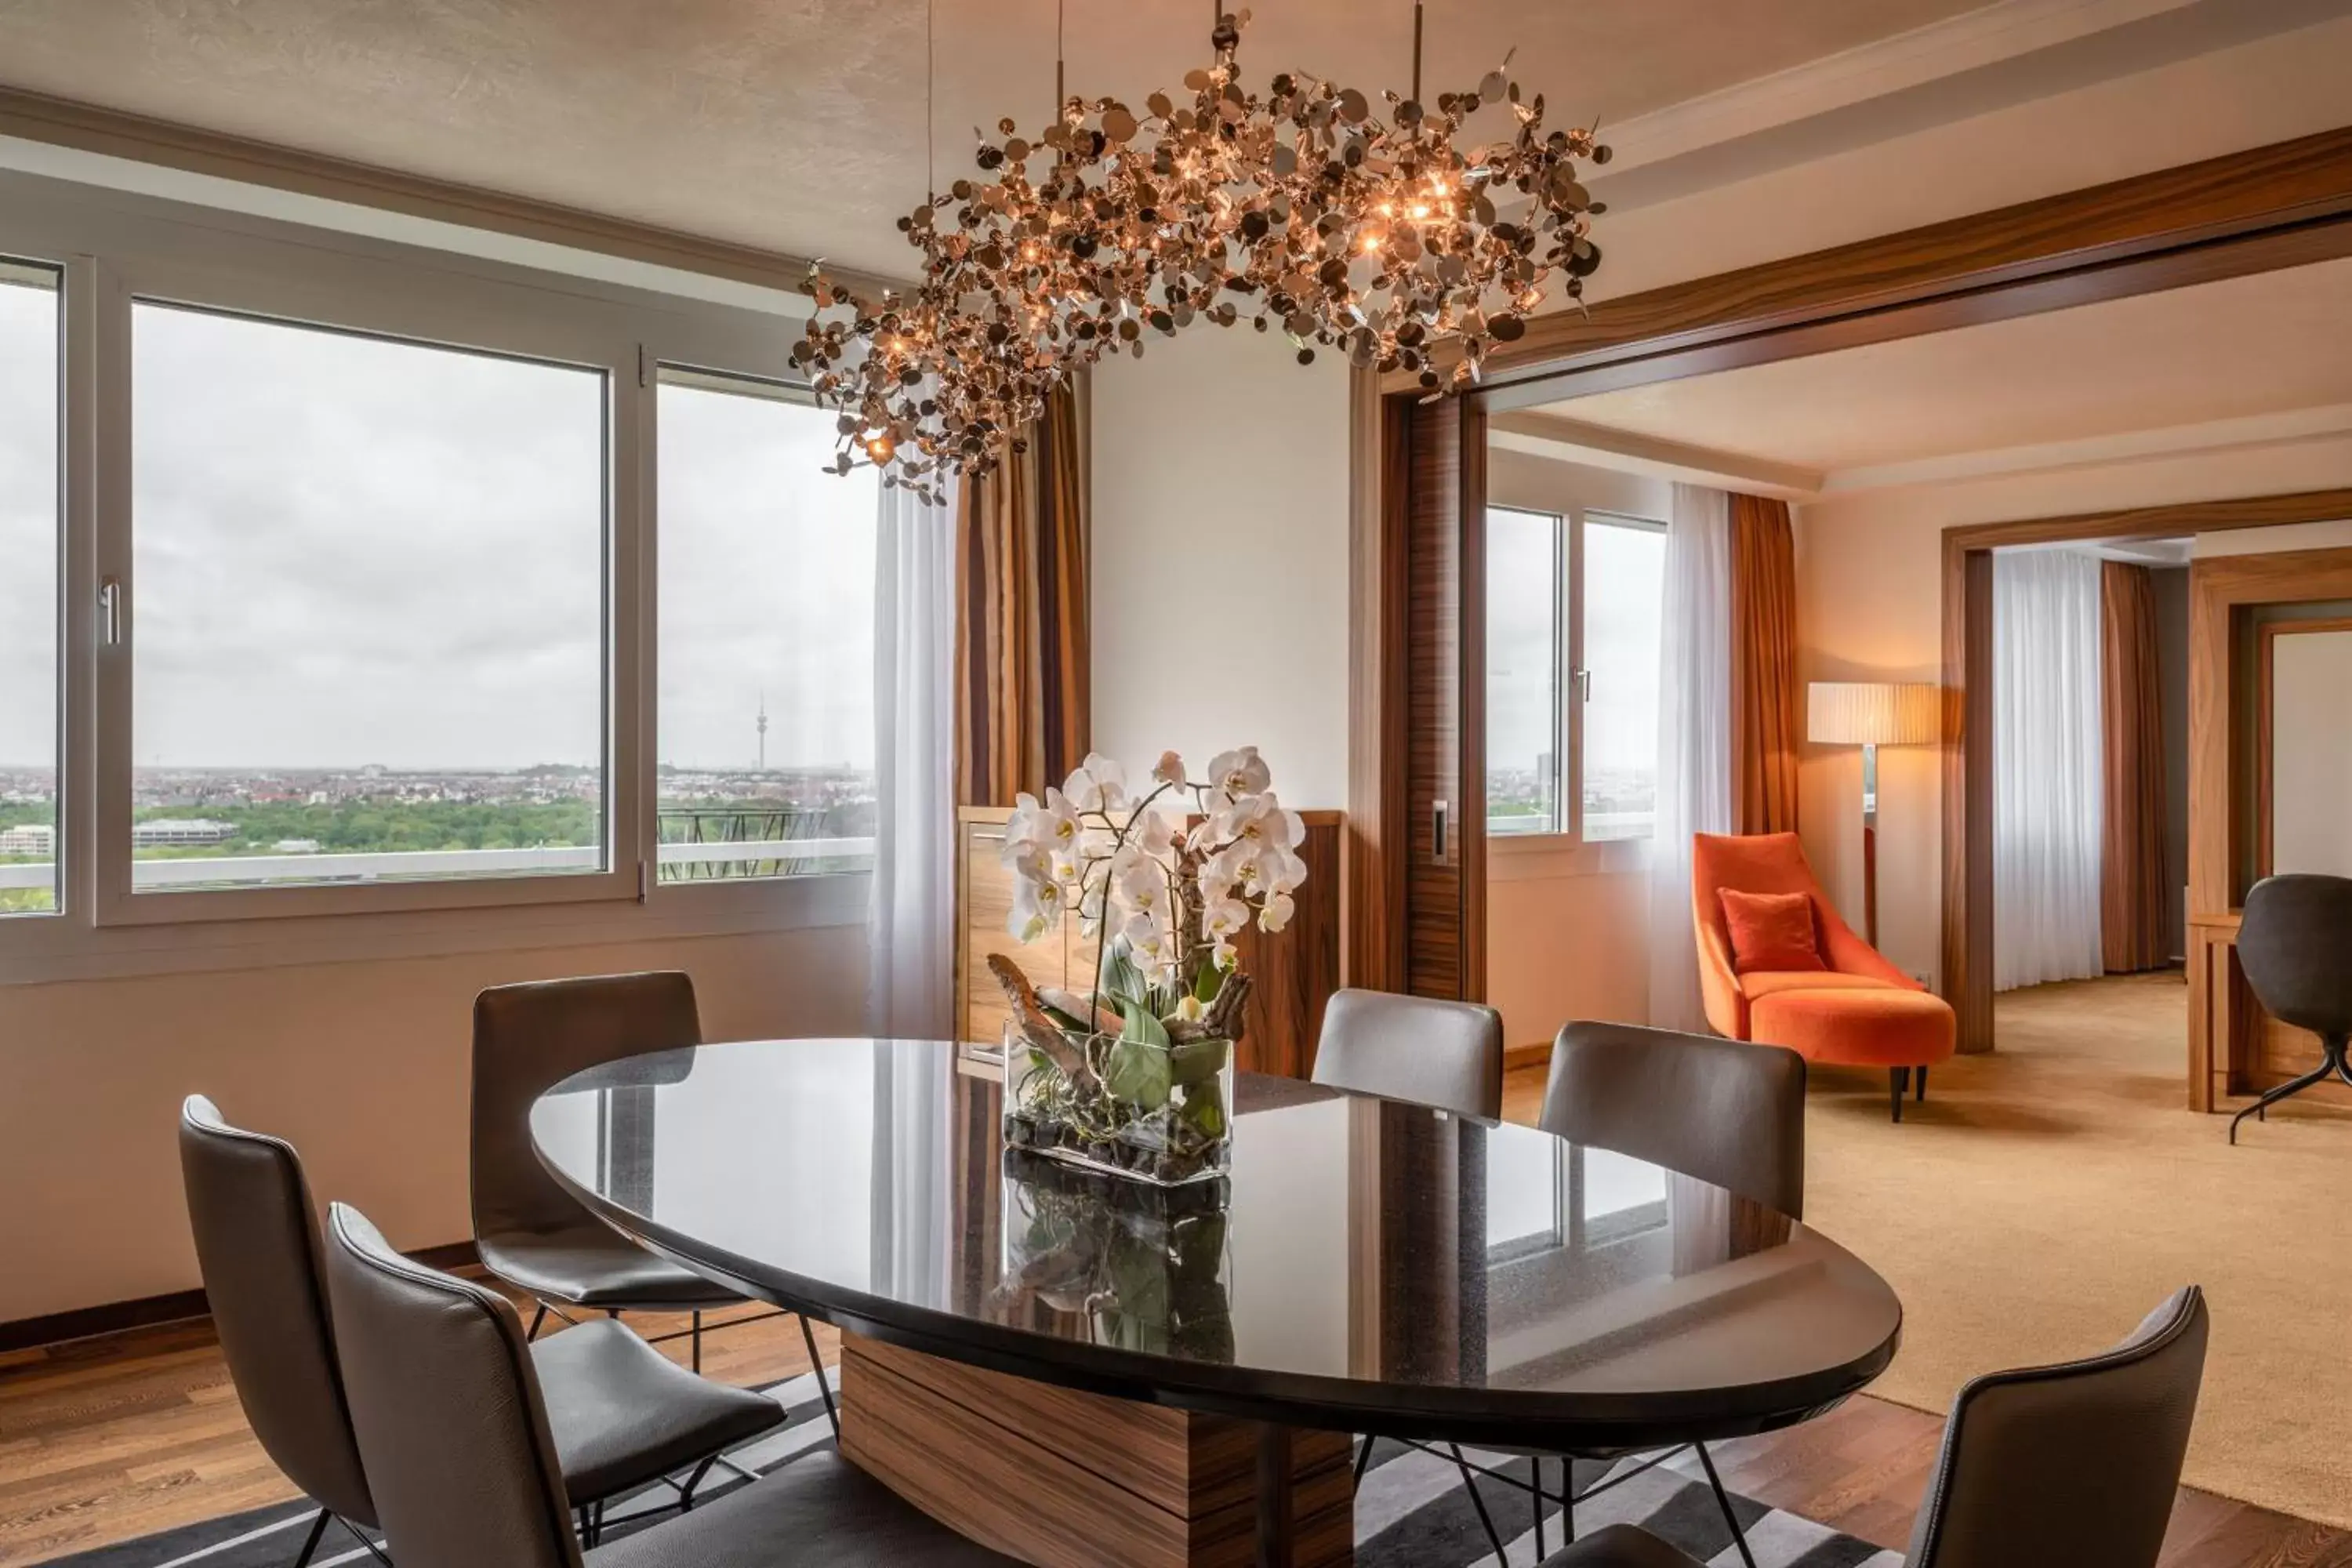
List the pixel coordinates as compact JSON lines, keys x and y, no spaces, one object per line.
{"x":1770,"y":932}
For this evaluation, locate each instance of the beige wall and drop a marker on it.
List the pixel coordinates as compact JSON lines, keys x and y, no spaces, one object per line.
{"x":1220,"y":570}
{"x":362,"y":1065}
{"x":1870,"y":608}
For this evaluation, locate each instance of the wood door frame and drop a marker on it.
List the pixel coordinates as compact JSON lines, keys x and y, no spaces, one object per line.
{"x":1967,"y":929}
{"x":2286,"y":205}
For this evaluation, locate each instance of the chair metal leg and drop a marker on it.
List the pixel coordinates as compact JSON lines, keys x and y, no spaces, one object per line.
{"x":2319,"y":1074}
{"x":1364,"y":1460}
{"x":1470,"y":1484}
{"x":697,"y":1342}
{"x":310,"y":1541}
{"x":1739,"y":1536}
{"x":373,"y":1548}
{"x":808,"y":1338}
{"x":1898,"y":1080}
{"x":1540,"y":1499}
{"x":537,"y":1319}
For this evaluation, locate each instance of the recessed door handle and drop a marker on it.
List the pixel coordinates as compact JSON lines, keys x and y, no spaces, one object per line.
{"x":1437,"y":825}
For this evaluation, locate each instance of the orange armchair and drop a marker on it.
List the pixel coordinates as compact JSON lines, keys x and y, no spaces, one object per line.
{"x":1860,"y":1011}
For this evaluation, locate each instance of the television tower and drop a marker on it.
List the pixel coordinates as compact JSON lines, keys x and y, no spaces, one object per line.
{"x":764,"y":731}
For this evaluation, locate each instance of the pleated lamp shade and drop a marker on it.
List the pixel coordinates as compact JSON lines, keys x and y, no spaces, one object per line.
{"x":1873,"y":713}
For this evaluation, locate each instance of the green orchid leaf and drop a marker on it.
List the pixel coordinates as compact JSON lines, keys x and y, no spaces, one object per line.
{"x":1122,"y":981}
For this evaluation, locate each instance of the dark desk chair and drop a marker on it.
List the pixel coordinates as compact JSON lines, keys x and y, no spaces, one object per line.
{"x":2296,"y":943}
{"x":455,"y":1435}
{"x":1448,"y":1055}
{"x":624,"y":1416}
{"x":2055,"y":1467}
{"x":532,"y":1233}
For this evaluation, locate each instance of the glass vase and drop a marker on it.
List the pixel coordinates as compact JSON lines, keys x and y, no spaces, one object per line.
{"x":1156,"y":1113}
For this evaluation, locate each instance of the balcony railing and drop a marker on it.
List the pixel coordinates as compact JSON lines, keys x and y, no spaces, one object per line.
{"x":713,"y":861}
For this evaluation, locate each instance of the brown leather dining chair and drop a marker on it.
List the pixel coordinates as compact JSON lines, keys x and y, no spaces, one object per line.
{"x":451,"y":1422}
{"x":530,"y":1232}
{"x":625,"y":1416}
{"x":1448,"y":1055}
{"x":2072,"y":1466}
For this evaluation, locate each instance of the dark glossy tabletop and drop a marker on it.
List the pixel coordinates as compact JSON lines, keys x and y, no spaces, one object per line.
{"x":1372,"y":1266}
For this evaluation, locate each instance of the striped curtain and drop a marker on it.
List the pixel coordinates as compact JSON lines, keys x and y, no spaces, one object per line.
{"x":1021,"y":651}
{"x":2131,"y":864}
{"x":1764,"y":727}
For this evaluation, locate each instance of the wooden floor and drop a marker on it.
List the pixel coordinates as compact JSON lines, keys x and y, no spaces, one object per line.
{"x":105,"y":1440}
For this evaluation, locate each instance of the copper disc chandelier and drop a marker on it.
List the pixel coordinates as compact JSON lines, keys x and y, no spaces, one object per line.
{"x":1400,"y":240}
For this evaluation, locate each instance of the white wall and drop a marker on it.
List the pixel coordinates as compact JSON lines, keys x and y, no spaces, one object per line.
{"x":1870,"y":608}
{"x":1220,"y":570}
{"x":364,"y":1065}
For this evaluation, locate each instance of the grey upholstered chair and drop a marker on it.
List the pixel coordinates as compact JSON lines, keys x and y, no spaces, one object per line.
{"x":2055,"y":1467}
{"x":1729,"y":1112}
{"x":624,"y":1416}
{"x":533,"y":1233}
{"x":457,"y":1440}
{"x":2296,"y":943}
{"x":1448,"y":1055}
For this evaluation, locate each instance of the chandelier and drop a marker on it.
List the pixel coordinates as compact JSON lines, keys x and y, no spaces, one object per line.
{"x":1395,"y":240}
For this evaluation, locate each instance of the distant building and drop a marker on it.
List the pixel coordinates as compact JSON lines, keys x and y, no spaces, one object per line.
{"x":180,"y":833}
{"x":31,"y":838}
{"x":295,"y":846}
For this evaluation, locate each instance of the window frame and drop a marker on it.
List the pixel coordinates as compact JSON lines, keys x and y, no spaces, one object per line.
{"x":1569,"y":675}
{"x":114,"y":247}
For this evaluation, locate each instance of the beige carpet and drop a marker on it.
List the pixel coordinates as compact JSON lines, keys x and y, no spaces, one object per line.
{"x":2049,"y":1194}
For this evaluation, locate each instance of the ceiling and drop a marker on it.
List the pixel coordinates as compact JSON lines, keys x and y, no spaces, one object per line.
{"x":797,"y":125}
{"x":2267,"y":345}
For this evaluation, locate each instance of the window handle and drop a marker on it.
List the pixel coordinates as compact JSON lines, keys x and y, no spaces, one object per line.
{"x":109,"y":612}
{"x":1582,"y":679}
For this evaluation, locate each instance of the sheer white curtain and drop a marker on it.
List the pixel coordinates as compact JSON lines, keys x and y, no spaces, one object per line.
{"x":910,"y":978}
{"x":2047,"y":790}
{"x":1694,"y":740}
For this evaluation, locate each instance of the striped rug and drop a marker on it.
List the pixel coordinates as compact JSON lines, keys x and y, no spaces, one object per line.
{"x":1411,"y":1513}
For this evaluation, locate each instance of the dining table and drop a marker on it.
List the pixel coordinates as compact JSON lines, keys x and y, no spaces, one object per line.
{"x":1078,"y":1368}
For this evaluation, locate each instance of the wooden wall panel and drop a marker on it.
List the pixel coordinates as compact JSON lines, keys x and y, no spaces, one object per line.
{"x":1435,"y":963}
{"x":1372,"y":952}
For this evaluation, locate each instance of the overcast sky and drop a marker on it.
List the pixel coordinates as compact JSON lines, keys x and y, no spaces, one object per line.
{"x":1623,"y":598}
{"x":28,"y":525}
{"x":347,"y":550}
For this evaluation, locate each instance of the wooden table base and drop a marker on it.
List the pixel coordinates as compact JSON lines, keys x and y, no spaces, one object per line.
{"x":1065,"y":1479}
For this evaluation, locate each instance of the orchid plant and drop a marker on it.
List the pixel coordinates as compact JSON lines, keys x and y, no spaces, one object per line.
{"x":1164,"y":877}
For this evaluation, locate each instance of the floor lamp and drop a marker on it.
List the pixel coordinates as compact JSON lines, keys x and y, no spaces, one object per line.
{"x":1871,"y":714}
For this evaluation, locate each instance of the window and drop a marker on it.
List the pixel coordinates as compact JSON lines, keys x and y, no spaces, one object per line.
{"x":370,"y":581}
{"x":1573,"y":609}
{"x":766,"y":746}
{"x":29,"y":324}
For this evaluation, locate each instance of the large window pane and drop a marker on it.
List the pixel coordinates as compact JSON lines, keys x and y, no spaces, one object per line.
{"x":1624,"y":586}
{"x":1523,"y":712}
{"x":766,"y":744}
{"x":28,"y":589}
{"x":369,"y":617}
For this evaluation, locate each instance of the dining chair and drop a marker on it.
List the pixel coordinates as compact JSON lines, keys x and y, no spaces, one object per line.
{"x":2295,"y":945}
{"x":448,"y":1404}
{"x":624,"y":1416}
{"x":1448,"y":1055}
{"x":2072,"y":1466}
{"x":1726,"y":1112}
{"x":530,"y":1232}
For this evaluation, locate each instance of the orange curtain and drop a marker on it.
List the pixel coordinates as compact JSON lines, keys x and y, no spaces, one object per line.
{"x":2131,"y":872}
{"x":1022,"y":696}
{"x":1764,"y":731}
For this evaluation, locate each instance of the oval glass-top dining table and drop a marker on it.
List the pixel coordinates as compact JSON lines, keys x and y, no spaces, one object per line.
{"x":1078,"y":1368}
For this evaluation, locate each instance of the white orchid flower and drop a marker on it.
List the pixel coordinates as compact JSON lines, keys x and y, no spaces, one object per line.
{"x":1190,"y":1007}
{"x":1036,"y":909}
{"x":1223,"y":917}
{"x":1058,"y":827}
{"x":1154,"y":833}
{"x":1276,"y":913}
{"x":1097,"y":784}
{"x":1169,"y":769}
{"x":1235,"y":774}
{"x":1024,"y":828}
{"x":1143,"y":887}
{"x":1031,"y":861}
